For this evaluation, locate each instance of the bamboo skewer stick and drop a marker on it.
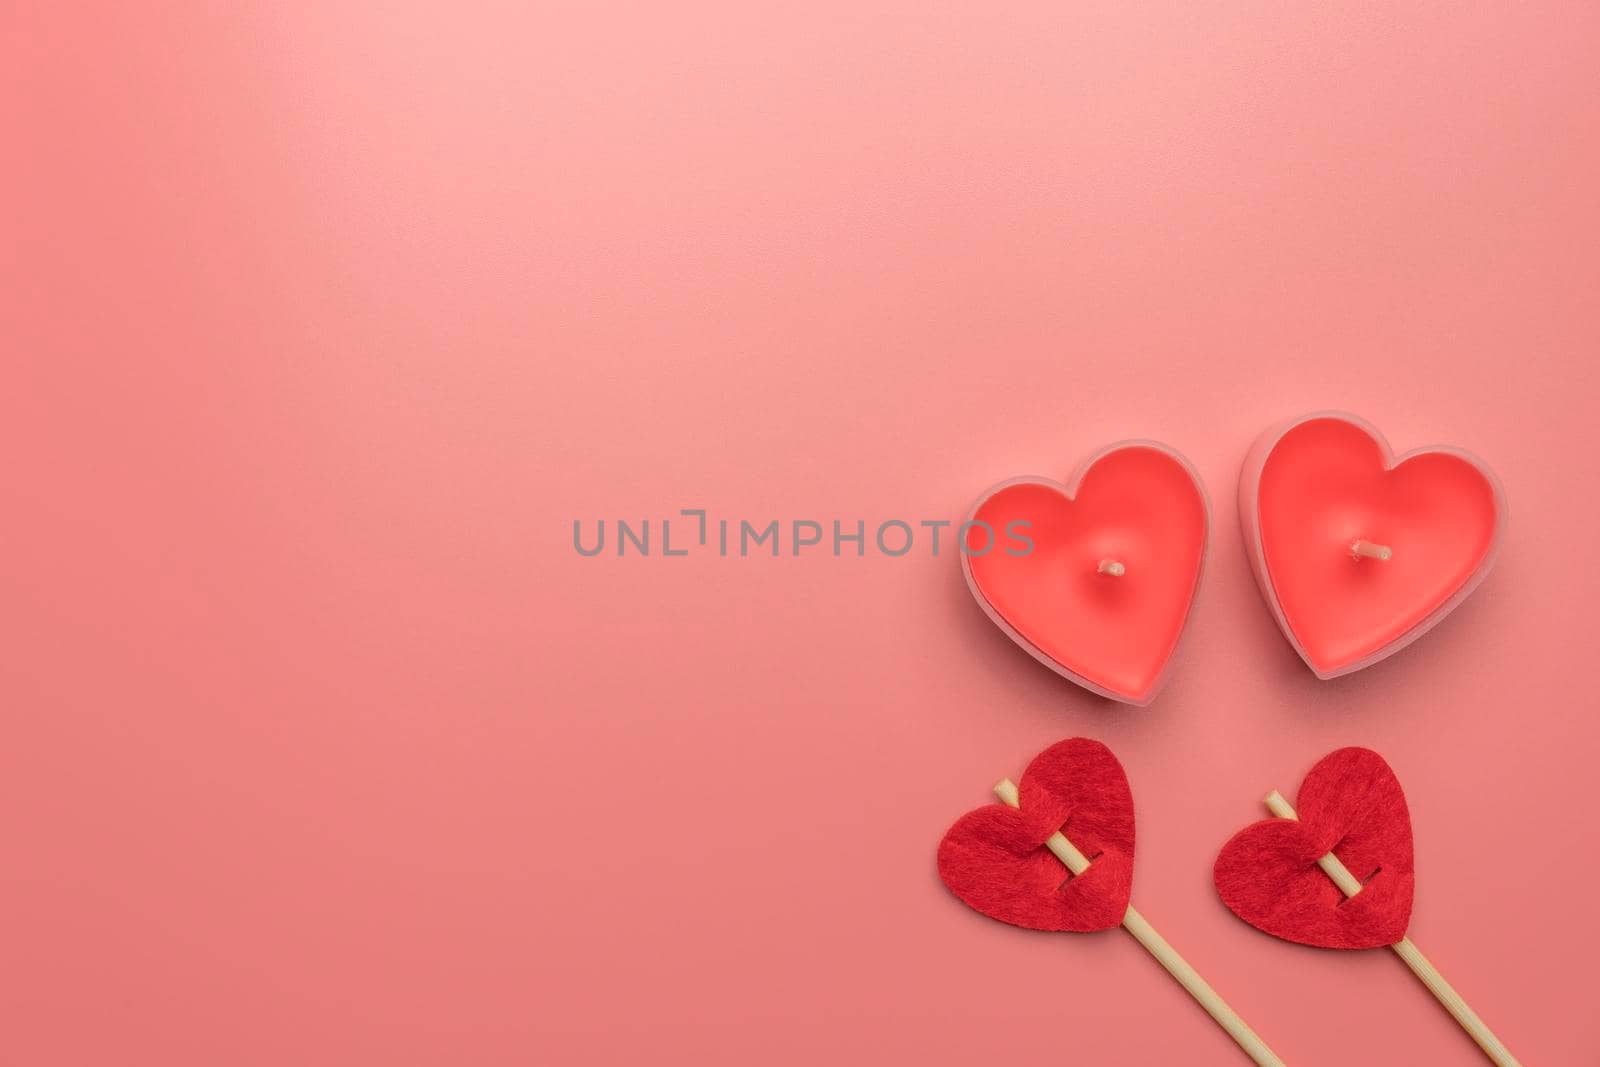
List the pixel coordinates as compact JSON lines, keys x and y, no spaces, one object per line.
{"x":1406,"y":950}
{"x":1157,"y":946}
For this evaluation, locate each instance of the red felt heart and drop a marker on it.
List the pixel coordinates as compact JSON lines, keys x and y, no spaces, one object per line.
{"x":1315,"y":486}
{"x":1032,"y":554}
{"x":1351,"y":805}
{"x":994,"y":858}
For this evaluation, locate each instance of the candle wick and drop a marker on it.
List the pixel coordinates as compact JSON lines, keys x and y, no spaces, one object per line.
{"x":1112,"y":567}
{"x":1362,"y":549}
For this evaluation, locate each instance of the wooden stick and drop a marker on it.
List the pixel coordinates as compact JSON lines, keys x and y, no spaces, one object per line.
{"x":1157,"y":946}
{"x":1406,"y":950}
{"x":1111,"y":567}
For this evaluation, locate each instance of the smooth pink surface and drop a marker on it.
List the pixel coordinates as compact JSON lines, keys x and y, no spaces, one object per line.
{"x":1327,"y":483}
{"x":1035,"y":563}
{"x":323,"y":322}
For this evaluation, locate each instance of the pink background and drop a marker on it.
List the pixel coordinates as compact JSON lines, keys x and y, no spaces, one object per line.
{"x":324,"y":321}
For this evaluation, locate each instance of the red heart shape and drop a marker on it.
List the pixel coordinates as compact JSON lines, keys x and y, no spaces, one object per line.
{"x":1351,"y":804}
{"x":1139,"y":503}
{"x":1314,"y":486}
{"x":994,"y":858}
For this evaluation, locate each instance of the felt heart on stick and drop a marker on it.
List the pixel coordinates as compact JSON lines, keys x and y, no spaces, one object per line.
{"x":1350,"y":805}
{"x":995,"y":860}
{"x":1094,"y":577}
{"x":1338,"y":874}
{"x":1057,"y":854}
{"x":1357,"y":551}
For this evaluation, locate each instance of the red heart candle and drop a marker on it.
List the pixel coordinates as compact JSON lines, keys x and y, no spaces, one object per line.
{"x":1359,"y":552}
{"x":1094,"y":577}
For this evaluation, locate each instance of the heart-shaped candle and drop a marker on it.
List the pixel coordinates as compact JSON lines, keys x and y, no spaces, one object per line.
{"x":1094,"y":577}
{"x":1357,"y":551}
